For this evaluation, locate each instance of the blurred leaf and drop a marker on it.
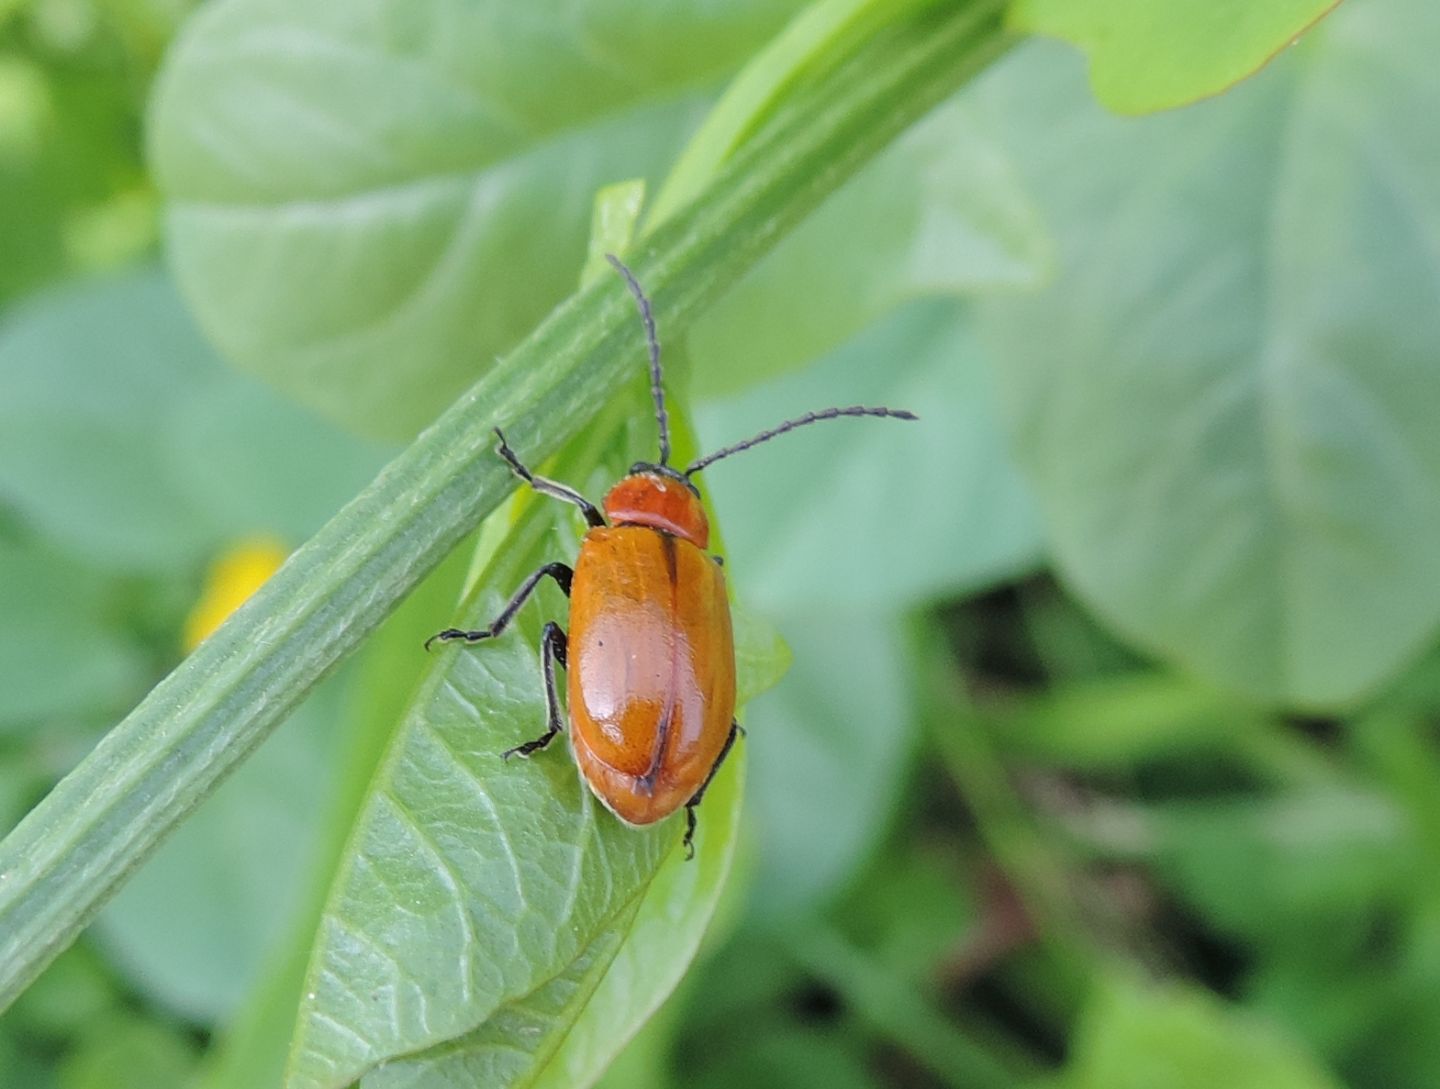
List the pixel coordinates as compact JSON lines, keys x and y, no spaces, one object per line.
{"x":86,"y":378}
{"x":48,"y":604}
{"x":195,"y":925}
{"x":1340,"y":1005}
{"x":875,"y":514}
{"x":1401,"y":1051}
{"x":940,"y":213}
{"x":1223,"y":400}
{"x":20,"y":1069}
{"x":644,"y":1063}
{"x":125,"y":1052}
{"x":1146,"y":56}
{"x":762,"y":657}
{"x":1278,"y":871}
{"x":73,"y":195}
{"x":109,"y":405}
{"x":888,"y":1004}
{"x":1068,"y":640}
{"x":411,"y":183}
{"x":1117,"y":722}
{"x":748,"y":971}
{"x":72,"y":995}
{"x":910,"y":911}
{"x":248,"y":458}
{"x":1171,"y":1037}
{"x":828,"y":750}
{"x":793,"y":1058}
{"x":21,"y":782}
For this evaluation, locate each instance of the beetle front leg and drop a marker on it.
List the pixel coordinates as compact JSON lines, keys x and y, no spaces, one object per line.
{"x":553,"y":646}
{"x":554,"y":489}
{"x":560,"y":572}
{"x":736,"y":730}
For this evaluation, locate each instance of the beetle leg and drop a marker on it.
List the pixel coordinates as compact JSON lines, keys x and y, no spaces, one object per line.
{"x":553,"y":645}
{"x":736,"y":730}
{"x":553,"y":489}
{"x":560,"y":572}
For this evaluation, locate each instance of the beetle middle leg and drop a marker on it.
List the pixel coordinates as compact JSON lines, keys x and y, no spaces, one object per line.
{"x":736,"y":730}
{"x":553,"y":646}
{"x":560,"y":572}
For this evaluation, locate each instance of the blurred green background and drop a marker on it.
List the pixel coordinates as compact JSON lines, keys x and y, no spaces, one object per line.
{"x":1108,"y":755}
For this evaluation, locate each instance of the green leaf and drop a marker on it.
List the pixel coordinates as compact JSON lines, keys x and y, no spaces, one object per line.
{"x":659,"y":944}
{"x":1170,"y":1037}
{"x":601,"y":1000}
{"x":877,"y":514}
{"x":1146,"y":56}
{"x":1222,"y":401}
{"x":423,"y":170}
{"x":939,"y":214}
{"x":469,"y":882}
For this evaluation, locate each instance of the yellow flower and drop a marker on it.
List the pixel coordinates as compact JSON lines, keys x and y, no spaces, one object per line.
{"x":232,"y":578}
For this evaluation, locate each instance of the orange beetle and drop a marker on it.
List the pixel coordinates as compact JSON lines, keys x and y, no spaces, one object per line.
{"x":650,"y":658}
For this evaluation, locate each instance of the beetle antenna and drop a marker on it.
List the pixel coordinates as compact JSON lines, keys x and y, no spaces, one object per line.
{"x":657,"y":391}
{"x":791,"y":425}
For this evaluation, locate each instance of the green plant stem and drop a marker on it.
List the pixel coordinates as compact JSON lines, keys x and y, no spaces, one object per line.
{"x":101,"y":821}
{"x":815,"y":38}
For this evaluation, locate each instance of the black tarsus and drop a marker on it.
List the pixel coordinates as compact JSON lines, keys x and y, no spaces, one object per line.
{"x":791,"y":425}
{"x":652,"y":341}
{"x":553,"y":648}
{"x":736,"y":730}
{"x":560,"y":572}
{"x":551,"y":488}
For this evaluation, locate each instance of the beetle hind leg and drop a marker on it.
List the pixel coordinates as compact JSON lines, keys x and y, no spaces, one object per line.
{"x":553,"y":647}
{"x":736,"y":730}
